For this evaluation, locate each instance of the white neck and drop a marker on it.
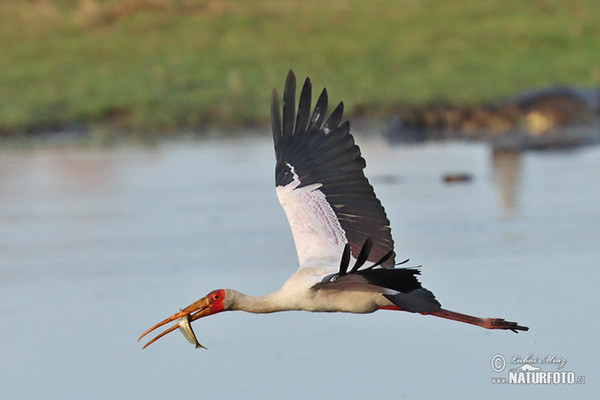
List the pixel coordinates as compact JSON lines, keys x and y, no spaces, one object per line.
{"x":257,"y":304}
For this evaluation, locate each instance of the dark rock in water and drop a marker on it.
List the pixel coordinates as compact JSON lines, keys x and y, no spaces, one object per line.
{"x":457,"y":177}
{"x":554,"y":117}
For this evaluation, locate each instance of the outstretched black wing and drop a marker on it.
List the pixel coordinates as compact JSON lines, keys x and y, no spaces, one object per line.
{"x":320,"y":182}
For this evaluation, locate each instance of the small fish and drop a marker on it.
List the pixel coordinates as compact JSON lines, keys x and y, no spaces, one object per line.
{"x":188,"y":332}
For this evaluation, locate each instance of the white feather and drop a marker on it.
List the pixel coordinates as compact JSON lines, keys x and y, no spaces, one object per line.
{"x":318,"y":235}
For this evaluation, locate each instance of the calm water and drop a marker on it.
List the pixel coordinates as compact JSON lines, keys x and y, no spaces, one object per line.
{"x":97,"y":245}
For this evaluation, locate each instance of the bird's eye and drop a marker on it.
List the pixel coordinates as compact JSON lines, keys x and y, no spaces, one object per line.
{"x":216,"y":297}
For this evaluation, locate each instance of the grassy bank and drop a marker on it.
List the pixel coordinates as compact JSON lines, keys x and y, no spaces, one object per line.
{"x":167,"y":65}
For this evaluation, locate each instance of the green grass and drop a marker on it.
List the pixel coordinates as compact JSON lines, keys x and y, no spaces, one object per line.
{"x":171,"y":65}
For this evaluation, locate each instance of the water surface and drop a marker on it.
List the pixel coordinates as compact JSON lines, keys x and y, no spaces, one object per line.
{"x":96,"y":245}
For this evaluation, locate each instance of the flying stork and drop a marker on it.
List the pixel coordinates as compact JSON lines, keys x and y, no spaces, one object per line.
{"x":340,"y":229}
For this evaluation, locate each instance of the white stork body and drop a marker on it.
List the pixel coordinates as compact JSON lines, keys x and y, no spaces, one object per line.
{"x":295,"y":296}
{"x":336,"y":220}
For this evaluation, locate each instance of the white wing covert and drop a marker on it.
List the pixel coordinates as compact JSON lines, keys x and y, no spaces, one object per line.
{"x":320,"y":182}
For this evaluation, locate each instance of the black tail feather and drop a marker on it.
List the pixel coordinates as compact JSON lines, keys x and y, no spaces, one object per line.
{"x":419,"y":300}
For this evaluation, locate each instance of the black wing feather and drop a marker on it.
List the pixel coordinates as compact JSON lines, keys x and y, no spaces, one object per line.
{"x":345,"y":262}
{"x":303,"y":108}
{"x":289,"y":105}
{"x":335,"y":118}
{"x":364,"y":254}
{"x":319,"y":114}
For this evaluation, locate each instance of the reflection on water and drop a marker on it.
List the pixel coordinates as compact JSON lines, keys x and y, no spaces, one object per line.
{"x":507,"y":173}
{"x":97,"y":245}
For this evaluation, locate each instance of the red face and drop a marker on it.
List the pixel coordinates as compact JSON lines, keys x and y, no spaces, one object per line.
{"x":215,"y":299}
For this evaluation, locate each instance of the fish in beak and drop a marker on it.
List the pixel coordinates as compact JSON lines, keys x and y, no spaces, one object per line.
{"x":186,"y":330}
{"x":211,"y":304}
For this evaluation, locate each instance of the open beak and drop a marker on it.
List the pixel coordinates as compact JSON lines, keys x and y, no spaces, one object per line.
{"x":191,"y":313}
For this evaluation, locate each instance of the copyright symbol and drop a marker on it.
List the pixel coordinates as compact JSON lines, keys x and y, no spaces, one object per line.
{"x":498,"y":363}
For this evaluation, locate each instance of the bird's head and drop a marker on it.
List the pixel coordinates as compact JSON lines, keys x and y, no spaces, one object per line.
{"x":213,"y":303}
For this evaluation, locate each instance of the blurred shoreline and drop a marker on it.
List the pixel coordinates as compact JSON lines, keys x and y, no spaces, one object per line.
{"x":162,"y":67}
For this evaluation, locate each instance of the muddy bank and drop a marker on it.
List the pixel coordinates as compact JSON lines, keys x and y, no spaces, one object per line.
{"x":549,"y":118}
{"x":553,"y":117}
